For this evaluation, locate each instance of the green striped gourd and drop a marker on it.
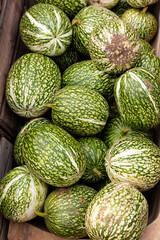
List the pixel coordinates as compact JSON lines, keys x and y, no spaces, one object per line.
{"x":53,"y":155}
{"x":135,"y":160}
{"x":95,"y":151}
{"x":149,"y":61}
{"x":21,"y":194}
{"x":32,"y":83}
{"x":117,"y":129}
{"x":84,"y":23}
{"x":86,"y":74}
{"x":65,"y":208}
{"x":141,"y":3}
{"x":143,"y":22}
{"x":137,"y":94}
{"x":114,"y":46}
{"x":103,"y":3}
{"x":66,"y":59}
{"x":118,"y":211}
{"x":46,"y":29}
{"x":80,"y":110}
{"x":145,"y":47}
{"x":70,"y":7}
{"x":18,"y":154}
{"x":121,"y":7}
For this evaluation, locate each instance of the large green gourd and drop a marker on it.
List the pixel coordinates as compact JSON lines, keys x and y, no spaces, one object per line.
{"x":135,"y":160}
{"x":86,"y":74}
{"x":103,"y":3}
{"x":84,"y":23}
{"x":53,"y":155}
{"x":32,"y":83}
{"x":46,"y":29}
{"x":137,"y":94}
{"x":65,"y":208}
{"x":141,"y":3}
{"x":21,"y":194}
{"x":118,"y":211}
{"x":149,"y":61}
{"x":18,"y":155}
{"x":117,"y":129}
{"x":80,"y":110}
{"x":143,"y":22}
{"x":70,"y":7}
{"x":114,"y":46}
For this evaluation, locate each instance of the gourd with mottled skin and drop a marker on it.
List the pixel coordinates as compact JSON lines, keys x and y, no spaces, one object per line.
{"x":137,"y":94}
{"x":118,"y":211}
{"x":117,"y":129}
{"x":114,"y":46}
{"x":46,"y":29}
{"x":32,"y":82}
{"x":143,"y":22}
{"x":145,"y":47}
{"x":21,"y":194}
{"x":86,"y":74}
{"x":95,"y":151}
{"x":135,"y":160}
{"x":70,"y":7}
{"x":84,"y":23}
{"x":149,"y":61}
{"x":18,"y":155}
{"x":141,"y":3}
{"x":104,"y":3}
{"x":53,"y":155}
{"x":65,"y":208}
{"x":80,"y":110}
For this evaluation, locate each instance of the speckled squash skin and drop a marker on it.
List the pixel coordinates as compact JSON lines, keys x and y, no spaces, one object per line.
{"x":121,"y":7}
{"x":21,"y":194}
{"x":117,"y":129}
{"x":18,"y":155}
{"x":143,"y":22}
{"x":95,"y":151}
{"x":86,"y":74}
{"x":114,"y":46}
{"x":145,"y":47}
{"x":84,"y":23}
{"x":80,"y":110}
{"x":53,"y":155}
{"x":32,"y":82}
{"x":141,"y":90}
{"x":149,"y":61}
{"x":70,"y":7}
{"x":104,"y":3}
{"x":118,"y":211}
{"x":46,"y":29}
{"x":65,"y":208}
{"x":141,"y":3}
{"x":135,"y":160}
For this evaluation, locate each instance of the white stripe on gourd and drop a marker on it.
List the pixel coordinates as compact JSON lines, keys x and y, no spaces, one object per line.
{"x":136,"y":78}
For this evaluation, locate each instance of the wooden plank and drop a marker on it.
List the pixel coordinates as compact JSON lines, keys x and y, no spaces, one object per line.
{"x":6,"y":163}
{"x":156,"y":41}
{"x":27,"y":231}
{"x":12,"y":48}
{"x":9,"y":31}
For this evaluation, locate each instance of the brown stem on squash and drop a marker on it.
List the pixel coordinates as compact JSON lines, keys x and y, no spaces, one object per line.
{"x":144,"y":10}
{"x":76,"y":22}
